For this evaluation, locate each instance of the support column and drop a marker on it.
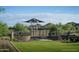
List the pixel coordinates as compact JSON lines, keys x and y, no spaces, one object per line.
{"x":12,"y":35}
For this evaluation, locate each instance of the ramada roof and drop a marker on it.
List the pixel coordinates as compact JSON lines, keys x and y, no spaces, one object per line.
{"x":33,"y":20}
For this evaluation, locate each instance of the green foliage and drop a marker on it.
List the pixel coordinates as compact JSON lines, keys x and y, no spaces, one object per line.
{"x":3,"y":29}
{"x":51,"y":27}
{"x":63,"y":28}
{"x":21,"y":27}
{"x":59,"y":29}
{"x":70,"y":26}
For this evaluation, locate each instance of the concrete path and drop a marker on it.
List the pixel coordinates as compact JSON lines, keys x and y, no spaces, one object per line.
{"x":7,"y":46}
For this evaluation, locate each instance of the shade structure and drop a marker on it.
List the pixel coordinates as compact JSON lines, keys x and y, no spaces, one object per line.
{"x":34,"y":20}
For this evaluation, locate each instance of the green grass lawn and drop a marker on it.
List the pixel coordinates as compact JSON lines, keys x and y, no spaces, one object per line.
{"x":46,"y":46}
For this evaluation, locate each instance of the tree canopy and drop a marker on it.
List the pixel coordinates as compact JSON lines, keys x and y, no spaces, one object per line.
{"x":3,"y":29}
{"x":63,"y":28}
{"x":21,"y":27}
{"x":51,"y":27}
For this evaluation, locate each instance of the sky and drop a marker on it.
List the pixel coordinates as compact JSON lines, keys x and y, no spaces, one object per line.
{"x":48,"y":14}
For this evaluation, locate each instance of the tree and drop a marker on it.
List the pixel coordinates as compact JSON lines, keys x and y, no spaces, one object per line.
{"x":52,"y":28}
{"x":69,"y":27}
{"x":60,"y":30}
{"x":21,"y":27}
{"x":63,"y":28}
{"x":3,"y":29}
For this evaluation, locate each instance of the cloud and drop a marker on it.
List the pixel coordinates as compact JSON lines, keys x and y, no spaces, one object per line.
{"x":12,"y":19}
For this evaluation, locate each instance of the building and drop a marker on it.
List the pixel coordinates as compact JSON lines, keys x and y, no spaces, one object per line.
{"x":37,"y":30}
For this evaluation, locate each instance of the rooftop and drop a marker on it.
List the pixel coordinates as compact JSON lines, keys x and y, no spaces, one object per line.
{"x":33,"y":20}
